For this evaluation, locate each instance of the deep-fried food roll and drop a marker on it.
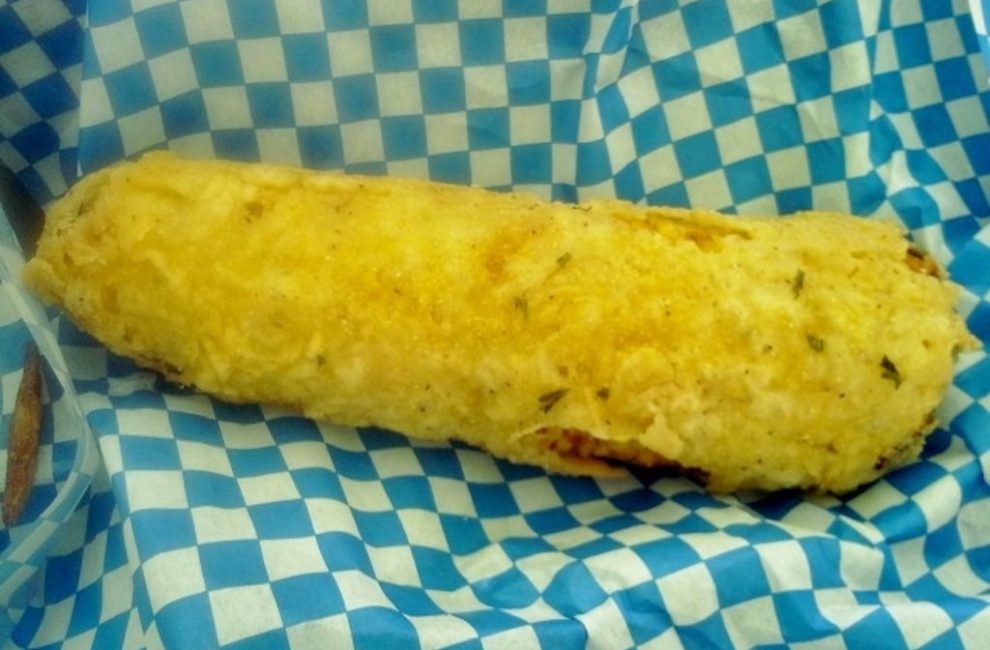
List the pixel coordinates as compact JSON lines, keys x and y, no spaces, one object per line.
{"x":808,"y":351}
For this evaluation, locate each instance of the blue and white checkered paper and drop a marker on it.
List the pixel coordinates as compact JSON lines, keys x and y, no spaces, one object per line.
{"x":213,"y":525}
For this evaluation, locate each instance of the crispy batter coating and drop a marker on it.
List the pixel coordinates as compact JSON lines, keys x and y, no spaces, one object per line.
{"x":767,"y":353}
{"x":25,"y":429}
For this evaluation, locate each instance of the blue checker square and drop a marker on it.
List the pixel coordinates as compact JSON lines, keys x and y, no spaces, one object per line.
{"x":759,"y":48}
{"x":911,"y":43}
{"x":924,"y":167}
{"x":317,"y":483}
{"x":160,"y":530}
{"x":210,"y":489}
{"x":99,"y":145}
{"x":955,"y":78}
{"x":450,"y":168}
{"x":697,"y":154}
{"x":411,"y":601}
{"x":749,"y":179}
{"x":13,"y":33}
{"x":841,"y":22}
{"x":565,"y":120}
{"x":827,"y":160}
{"x":63,"y":44}
{"x":677,"y":76}
{"x":978,"y":152}
{"x":195,"y":428}
{"x":50,"y":96}
{"x":482,"y":41}
{"x":232,"y":564}
{"x":409,"y":492}
{"x":7,"y":85}
{"x":728,"y":102}
{"x":710,"y":633}
{"x":131,"y":89}
{"x":528,"y":82}
{"x":62,"y":575}
{"x":531,"y":163}
{"x":353,"y":464}
{"x":183,"y":620}
{"x":665,"y":556}
{"x":488,"y":128}
{"x":800,"y":617}
{"x":342,"y":552}
{"x":889,"y":91}
{"x":140,"y":453}
{"x":320,"y":147}
{"x":282,"y":519}
{"x":629,"y":183}
{"x":393,"y":48}
{"x":612,"y":109}
{"x":915,"y":207}
{"x":270,"y":104}
{"x":574,"y":590}
{"x":567,"y":34}
{"x":617,"y":36}
{"x":184,"y":115}
{"x":256,"y":462}
{"x":866,"y":193}
{"x":707,"y":22}
{"x":740,"y":562}
{"x":357,"y":98}
{"x":253,"y":18}
{"x":442,"y":90}
{"x":161,"y":29}
{"x":89,"y":602}
{"x":492,"y":499}
{"x":814,"y":73}
{"x":369,"y":625}
{"x":593,"y":162}
{"x":217,"y":63}
{"x":437,"y":569}
{"x":793,"y":200}
{"x":111,"y":11}
{"x":307,"y":57}
{"x":404,"y":137}
{"x":674,"y":195}
{"x":650,"y":130}
{"x":380,"y":528}
{"x":434,"y":11}
{"x":852,"y":109}
{"x":788,"y":8}
{"x":322,"y":598}
{"x":934,"y":125}
{"x":341,"y":16}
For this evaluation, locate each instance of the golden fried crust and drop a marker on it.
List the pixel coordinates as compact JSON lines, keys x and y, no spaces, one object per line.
{"x":766,"y":353}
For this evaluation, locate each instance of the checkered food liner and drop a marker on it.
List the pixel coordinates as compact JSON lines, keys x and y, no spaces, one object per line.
{"x":203,"y":524}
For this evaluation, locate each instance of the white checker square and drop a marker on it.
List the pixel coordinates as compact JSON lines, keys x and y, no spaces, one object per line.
{"x":710,"y":190}
{"x":446,"y":132}
{"x":141,"y":5}
{"x":491,"y":167}
{"x":268,"y":488}
{"x":60,"y":614}
{"x":118,"y":592}
{"x":770,"y":88}
{"x":818,"y":119}
{"x":753,"y":623}
{"x":394,"y":565}
{"x":399,"y":93}
{"x":639,"y":91}
{"x":38,"y":18}
{"x":413,"y":168}
{"x":459,"y":600}
{"x":480,"y":9}
{"x":227,"y":108}
{"x":485,"y":86}
{"x":967,"y":116}
{"x":438,"y":45}
{"x":279,"y":146}
{"x":590,"y":127}
{"x":831,"y":197}
{"x":659,"y":169}
{"x":222,"y":524}
{"x":155,"y":490}
{"x":690,"y":594}
{"x":389,"y":12}
{"x":958,"y":577}
{"x":358,"y":590}
{"x":686,"y":116}
{"x":665,"y":36}
{"x":442,"y":630}
{"x":785,"y":564}
{"x":141,"y":130}
{"x":451,"y":497}
{"x":564,"y":539}
{"x":26,"y":64}
{"x":608,"y":623}
{"x":362,"y":141}
{"x":566,"y":79}
{"x":905,"y":13}
{"x":974,"y":523}
{"x":314,"y":633}
{"x":529,"y":124}
{"x":262,"y":59}
{"x":808,"y":518}
{"x":885,"y":53}
{"x":241,"y":612}
{"x":944,"y":39}
{"x":487,"y":563}
{"x":719,"y":62}
{"x":368,"y":496}
{"x":849,"y":66}
{"x":207,"y":20}
{"x":194,"y":145}
{"x":750,"y":14}
{"x":801,"y":35}
{"x":350,"y":52}
{"x":621,"y":146}
{"x":525,"y":38}
{"x":738,"y":140}
{"x":306,"y":454}
{"x":603,"y":567}
{"x":535,"y":494}
{"x":330,"y":516}
{"x":423,"y":528}
{"x":921,"y":86}
{"x":313,"y":103}
{"x":117,"y":45}
{"x":399,"y":461}
{"x":11,"y":157}
{"x":93,"y":558}
{"x":195,"y":404}
{"x":300,"y":16}
{"x":94,"y":107}
{"x":173,"y":74}
{"x":286,"y":558}
{"x":173,"y":575}
{"x":919,"y":622}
